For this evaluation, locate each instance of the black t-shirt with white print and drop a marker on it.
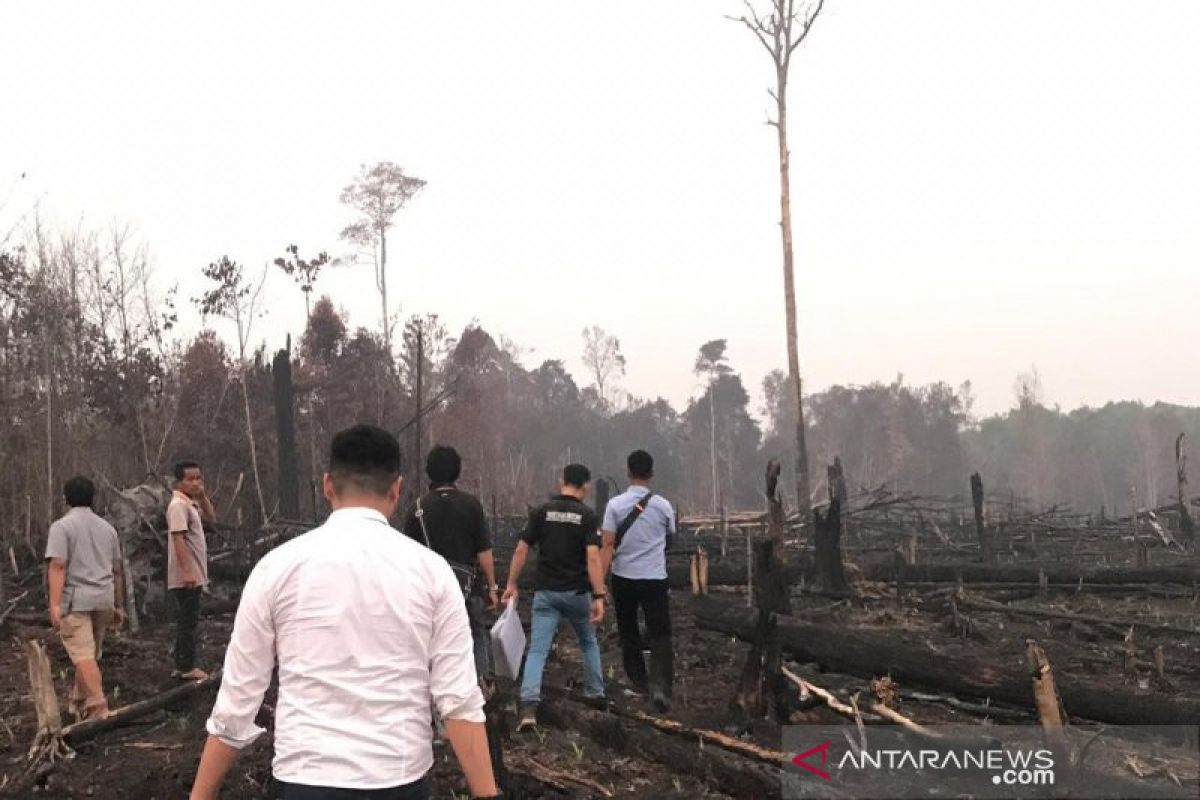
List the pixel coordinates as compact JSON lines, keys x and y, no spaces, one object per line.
{"x":561,"y":530}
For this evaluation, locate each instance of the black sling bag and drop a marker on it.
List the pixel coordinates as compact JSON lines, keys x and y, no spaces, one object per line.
{"x":632,"y":517}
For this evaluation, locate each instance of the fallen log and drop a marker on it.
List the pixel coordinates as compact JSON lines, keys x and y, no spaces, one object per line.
{"x":1186,"y":574}
{"x":869,"y":652}
{"x":724,"y":771}
{"x":1040,"y":613}
{"x":90,"y":729}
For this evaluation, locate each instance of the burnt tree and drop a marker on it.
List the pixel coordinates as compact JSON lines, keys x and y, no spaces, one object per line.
{"x":285,"y":429}
{"x":830,"y":576}
{"x":986,"y":550}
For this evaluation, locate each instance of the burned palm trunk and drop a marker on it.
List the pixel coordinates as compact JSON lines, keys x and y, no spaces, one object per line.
{"x":830,"y":574}
{"x":986,"y":548}
{"x":285,"y":428}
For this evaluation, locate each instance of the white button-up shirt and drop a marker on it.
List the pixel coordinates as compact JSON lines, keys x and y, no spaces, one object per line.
{"x":368,"y":627}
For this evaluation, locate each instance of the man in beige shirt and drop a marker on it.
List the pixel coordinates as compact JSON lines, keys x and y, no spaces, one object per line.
{"x":187,"y":562}
{"x":86,"y":591}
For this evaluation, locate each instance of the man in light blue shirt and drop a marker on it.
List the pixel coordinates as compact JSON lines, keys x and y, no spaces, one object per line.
{"x":636,"y":528}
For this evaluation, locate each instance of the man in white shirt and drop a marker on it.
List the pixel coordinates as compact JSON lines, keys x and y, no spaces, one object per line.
{"x":367,"y":627}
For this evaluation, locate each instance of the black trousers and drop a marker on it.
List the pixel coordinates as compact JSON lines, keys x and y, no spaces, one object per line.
{"x":654,"y":599}
{"x":417,"y":790}
{"x":187,"y":615}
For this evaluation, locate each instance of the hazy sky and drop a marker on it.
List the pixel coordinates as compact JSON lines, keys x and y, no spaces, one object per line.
{"x":978,"y":186}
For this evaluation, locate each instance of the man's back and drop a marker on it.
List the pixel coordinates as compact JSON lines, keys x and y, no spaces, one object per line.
{"x":455,"y":523}
{"x":642,"y":552}
{"x":90,"y":546}
{"x":562,"y":529}
{"x":367,"y":626}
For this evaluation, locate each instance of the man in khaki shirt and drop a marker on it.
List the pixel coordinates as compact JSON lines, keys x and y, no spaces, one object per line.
{"x":187,"y":562}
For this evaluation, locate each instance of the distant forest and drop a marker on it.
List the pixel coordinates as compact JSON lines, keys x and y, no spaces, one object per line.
{"x":94,"y":379}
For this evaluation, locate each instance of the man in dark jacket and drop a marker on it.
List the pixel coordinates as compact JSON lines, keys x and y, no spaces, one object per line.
{"x":451,"y":522}
{"x":570,"y":585}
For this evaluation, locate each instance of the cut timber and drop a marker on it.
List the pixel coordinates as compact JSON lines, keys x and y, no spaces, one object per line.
{"x":1040,"y":613}
{"x":89,"y":729}
{"x":868,"y":652}
{"x":1028,"y":573}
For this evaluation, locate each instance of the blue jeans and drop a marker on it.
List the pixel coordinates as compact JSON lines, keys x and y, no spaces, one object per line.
{"x":548,"y":609}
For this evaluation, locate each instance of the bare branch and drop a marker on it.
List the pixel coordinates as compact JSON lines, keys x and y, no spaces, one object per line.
{"x":808,"y":23}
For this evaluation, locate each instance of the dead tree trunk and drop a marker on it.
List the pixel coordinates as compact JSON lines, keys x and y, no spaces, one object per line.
{"x":830,"y":575}
{"x":870,"y":652}
{"x":1187,"y":528}
{"x":285,"y":428}
{"x":985,"y":537}
{"x":762,"y":686}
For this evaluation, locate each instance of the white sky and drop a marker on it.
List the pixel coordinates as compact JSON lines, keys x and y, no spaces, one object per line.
{"x":978,"y":186}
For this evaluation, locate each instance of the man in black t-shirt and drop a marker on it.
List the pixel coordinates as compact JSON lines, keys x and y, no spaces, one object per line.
{"x":451,"y":522}
{"x":570,"y":585}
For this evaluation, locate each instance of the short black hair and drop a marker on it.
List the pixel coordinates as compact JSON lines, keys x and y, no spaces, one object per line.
{"x":641,"y":465}
{"x":79,"y":491}
{"x":443,"y":464}
{"x":576,"y":475}
{"x":366,"y":458}
{"x":181,"y":468}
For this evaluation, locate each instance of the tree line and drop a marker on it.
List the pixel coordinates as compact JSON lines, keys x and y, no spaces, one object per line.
{"x":94,"y":378}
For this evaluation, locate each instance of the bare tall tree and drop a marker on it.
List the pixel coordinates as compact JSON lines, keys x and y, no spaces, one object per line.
{"x":377,"y":194}
{"x":237,"y":298}
{"x":604,"y":360}
{"x":781,"y":32}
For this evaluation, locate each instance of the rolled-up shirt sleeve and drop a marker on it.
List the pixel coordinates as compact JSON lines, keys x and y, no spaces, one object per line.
{"x":249,"y":661}
{"x":453,"y":683}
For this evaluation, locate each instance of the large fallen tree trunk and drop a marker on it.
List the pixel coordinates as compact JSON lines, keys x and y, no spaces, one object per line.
{"x":1029,"y":573}
{"x":870,"y":652}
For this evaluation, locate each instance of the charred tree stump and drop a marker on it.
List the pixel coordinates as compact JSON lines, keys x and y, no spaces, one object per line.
{"x":285,"y":428}
{"x":762,"y":686}
{"x":986,"y":548}
{"x":48,"y":742}
{"x":830,"y":576}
